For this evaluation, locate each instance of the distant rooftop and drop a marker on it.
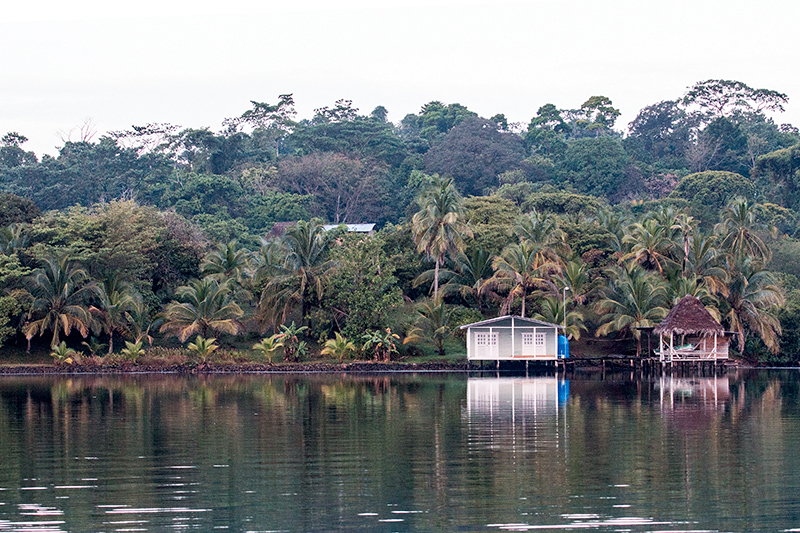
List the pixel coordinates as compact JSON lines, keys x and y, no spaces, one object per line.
{"x":352,"y":228}
{"x":280,"y":228}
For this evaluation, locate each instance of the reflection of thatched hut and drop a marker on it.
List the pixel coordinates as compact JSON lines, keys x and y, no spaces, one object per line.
{"x":701,"y":337}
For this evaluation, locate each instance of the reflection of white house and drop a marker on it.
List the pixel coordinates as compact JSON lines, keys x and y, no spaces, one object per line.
{"x":496,"y":395}
{"x":510,"y":338}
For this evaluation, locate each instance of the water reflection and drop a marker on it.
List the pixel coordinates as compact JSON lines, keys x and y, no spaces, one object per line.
{"x":400,"y":453}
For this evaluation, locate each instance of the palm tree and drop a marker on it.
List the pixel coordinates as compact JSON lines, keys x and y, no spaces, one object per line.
{"x":705,"y":261}
{"x":438,"y":227}
{"x":541,"y":231}
{"x":13,"y":239}
{"x":739,"y":229}
{"x":650,"y":245}
{"x":634,"y":298}
{"x":432,"y":325}
{"x":338,"y":347}
{"x":268,"y":346}
{"x":467,"y":277}
{"x":575,"y":275}
{"x":551,"y":309}
{"x":753,"y":299}
{"x":117,"y":300}
{"x":300,"y":275}
{"x":60,"y":290}
{"x":226,"y":262}
{"x":519,"y":270}
{"x":208,"y":307}
{"x":685,"y":226}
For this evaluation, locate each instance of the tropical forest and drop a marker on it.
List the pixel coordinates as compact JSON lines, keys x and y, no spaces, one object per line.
{"x":172,"y":243}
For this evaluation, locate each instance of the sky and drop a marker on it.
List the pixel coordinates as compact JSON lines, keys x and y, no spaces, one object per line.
{"x":194,"y":63}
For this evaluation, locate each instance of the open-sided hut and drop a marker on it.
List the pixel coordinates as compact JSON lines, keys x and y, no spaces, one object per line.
{"x":700,"y":336}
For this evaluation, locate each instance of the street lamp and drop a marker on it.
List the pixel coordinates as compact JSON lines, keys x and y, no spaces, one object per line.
{"x":565,"y":308}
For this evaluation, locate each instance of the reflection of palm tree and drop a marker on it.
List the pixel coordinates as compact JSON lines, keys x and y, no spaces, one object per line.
{"x":60,"y":291}
{"x":519,"y":270}
{"x":634,"y":298}
{"x":753,"y":298}
{"x":438,"y":227}
{"x":116,"y":301}
{"x":301,"y":273}
{"x":208,"y":306}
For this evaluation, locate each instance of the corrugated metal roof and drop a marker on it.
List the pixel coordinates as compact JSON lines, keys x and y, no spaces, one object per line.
{"x":353,"y":228}
{"x":492,"y":320}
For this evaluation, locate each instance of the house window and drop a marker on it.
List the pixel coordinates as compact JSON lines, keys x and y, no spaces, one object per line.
{"x":486,"y":339}
{"x":527,"y":339}
{"x":540,"y":339}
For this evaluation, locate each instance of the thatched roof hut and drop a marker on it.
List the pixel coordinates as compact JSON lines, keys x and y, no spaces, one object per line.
{"x":689,"y":317}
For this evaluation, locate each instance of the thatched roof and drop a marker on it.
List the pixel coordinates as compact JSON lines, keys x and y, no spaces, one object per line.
{"x":689,"y":317}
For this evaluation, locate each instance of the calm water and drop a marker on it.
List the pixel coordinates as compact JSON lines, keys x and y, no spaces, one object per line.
{"x":399,"y":453}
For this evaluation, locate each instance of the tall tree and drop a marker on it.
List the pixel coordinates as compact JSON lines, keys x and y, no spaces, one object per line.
{"x":299,"y":277}
{"x":438,"y":227}
{"x":208,"y":306}
{"x":61,"y":290}
{"x":519,"y":270}
{"x":117,"y":300}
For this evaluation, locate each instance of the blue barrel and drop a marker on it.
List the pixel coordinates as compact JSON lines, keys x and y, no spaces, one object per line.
{"x":563,"y":347}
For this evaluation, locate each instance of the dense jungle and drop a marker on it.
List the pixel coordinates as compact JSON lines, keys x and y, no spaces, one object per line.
{"x":169,"y":242}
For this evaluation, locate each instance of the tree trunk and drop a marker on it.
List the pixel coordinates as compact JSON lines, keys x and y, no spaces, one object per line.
{"x":436,"y":280}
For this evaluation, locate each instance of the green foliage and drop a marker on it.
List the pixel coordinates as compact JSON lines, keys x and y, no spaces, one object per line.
{"x":432,"y":325}
{"x":596,"y":166}
{"x":132,"y":351}
{"x":15,"y":210}
{"x":474,"y":153}
{"x":10,"y":308}
{"x":203,"y":348}
{"x":63,"y":354}
{"x":361,"y":291}
{"x":433,"y":121}
{"x":338,"y":347}
{"x":781,"y":170}
{"x":268,"y":346}
{"x":561,"y":203}
{"x":382,"y":344}
{"x":708,"y":192}
{"x":293,"y":347}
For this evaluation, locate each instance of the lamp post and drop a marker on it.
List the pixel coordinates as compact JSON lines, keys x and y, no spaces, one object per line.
{"x":565,"y":308}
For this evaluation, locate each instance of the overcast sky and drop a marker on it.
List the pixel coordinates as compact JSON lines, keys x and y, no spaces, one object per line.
{"x":194,"y":63}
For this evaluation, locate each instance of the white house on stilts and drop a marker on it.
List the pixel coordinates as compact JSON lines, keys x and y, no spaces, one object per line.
{"x":512,"y":338}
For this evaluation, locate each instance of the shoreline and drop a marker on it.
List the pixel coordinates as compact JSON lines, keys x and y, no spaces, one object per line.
{"x":353,"y":367}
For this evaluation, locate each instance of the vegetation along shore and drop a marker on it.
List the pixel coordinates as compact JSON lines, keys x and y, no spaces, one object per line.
{"x":349,"y":238}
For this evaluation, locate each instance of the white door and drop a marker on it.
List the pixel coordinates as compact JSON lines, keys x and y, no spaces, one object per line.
{"x":486,"y":345}
{"x":533,"y":343}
